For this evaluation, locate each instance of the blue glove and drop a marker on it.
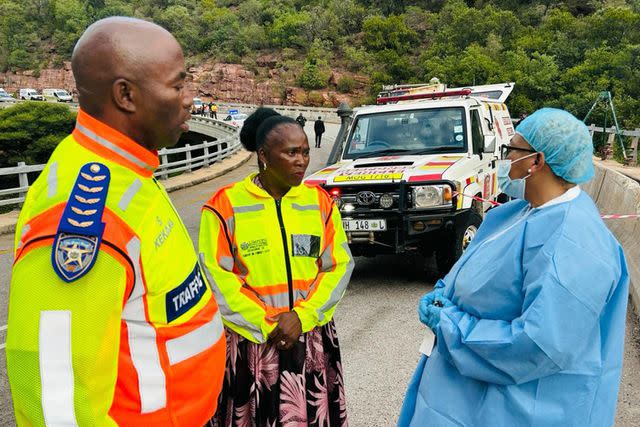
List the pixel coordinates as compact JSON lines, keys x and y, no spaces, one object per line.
{"x":433,"y":312}
{"x":426,"y":301}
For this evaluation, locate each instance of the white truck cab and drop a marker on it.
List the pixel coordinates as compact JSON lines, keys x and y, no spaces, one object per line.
{"x":58,"y":95}
{"x":30,"y":95}
{"x":418,"y":172}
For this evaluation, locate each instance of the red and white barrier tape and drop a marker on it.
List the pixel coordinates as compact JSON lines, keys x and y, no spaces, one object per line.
{"x":494,"y":203}
{"x":477,"y":198}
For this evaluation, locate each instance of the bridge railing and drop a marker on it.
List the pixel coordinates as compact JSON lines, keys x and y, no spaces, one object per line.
{"x":310,"y":113}
{"x":173,"y":161}
{"x":634,"y":135}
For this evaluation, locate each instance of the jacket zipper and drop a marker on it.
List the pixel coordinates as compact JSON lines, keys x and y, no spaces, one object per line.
{"x":286,"y":253}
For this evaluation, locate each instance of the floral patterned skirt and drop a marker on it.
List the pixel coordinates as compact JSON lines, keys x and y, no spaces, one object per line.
{"x":302,"y":386}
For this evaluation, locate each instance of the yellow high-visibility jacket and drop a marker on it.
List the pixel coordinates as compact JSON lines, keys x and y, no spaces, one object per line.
{"x":264,"y":256}
{"x":111,"y":321}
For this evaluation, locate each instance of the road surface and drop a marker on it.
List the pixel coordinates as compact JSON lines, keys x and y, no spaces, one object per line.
{"x":377,"y":322}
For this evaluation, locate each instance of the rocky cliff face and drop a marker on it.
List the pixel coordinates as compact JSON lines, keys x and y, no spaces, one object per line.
{"x":211,"y":82}
{"x":60,"y":78}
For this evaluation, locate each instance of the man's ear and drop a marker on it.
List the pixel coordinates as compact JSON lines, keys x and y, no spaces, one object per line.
{"x":124,"y":95}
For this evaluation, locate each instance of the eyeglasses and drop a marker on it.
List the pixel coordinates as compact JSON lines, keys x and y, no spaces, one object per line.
{"x":505,"y":150}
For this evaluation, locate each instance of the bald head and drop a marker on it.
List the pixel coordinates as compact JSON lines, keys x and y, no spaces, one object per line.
{"x":130,"y":75}
{"x":114,"y":48}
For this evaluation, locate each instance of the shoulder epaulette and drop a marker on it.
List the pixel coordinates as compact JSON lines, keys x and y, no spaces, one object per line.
{"x":79,"y":234}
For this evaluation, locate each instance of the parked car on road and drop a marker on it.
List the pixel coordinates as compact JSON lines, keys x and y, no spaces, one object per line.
{"x":5,"y":97}
{"x":30,"y":95}
{"x":59,"y":95}
{"x":235,"y":118}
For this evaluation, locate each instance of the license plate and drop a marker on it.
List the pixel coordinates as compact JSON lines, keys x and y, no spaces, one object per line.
{"x":364,"y":224}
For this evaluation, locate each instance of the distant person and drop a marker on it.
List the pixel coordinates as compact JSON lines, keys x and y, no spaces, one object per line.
{"x":318,"y":127}
{"x":205,"y":110}
{"x":301,"y":120}
{"x":530,"y":321}
{"x":213,"y":109}
{"x":111,"y":320}
{"x":278,"y":286}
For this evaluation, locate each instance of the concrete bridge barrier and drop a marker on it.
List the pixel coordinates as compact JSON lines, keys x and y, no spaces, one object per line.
{"x":615,"y":193}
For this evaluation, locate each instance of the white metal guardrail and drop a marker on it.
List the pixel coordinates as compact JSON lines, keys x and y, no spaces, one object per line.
{"x":190,"y":157}
{"x":633,"y":134}
{"x":328,"y":115}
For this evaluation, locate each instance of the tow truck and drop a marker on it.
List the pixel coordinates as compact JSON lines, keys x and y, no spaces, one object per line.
{"x":417,"y":171}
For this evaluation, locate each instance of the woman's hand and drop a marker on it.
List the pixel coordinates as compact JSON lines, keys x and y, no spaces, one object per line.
{"x":425,"y":302}
{"x":288,"y":330}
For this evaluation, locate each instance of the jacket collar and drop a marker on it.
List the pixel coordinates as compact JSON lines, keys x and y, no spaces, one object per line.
{"x":259,"y":192}
{"x":113,"y":145}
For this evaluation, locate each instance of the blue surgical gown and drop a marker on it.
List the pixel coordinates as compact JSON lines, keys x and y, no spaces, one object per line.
{"x":536,"y":333}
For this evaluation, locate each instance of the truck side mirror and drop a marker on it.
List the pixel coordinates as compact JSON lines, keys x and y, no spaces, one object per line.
{"x":489,"y":124}
{"x":489,"y":144}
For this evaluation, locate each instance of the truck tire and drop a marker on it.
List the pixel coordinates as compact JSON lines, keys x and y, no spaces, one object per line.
{"x":454,"y":244}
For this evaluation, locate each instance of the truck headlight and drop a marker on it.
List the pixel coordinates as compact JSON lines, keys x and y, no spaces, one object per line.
{"x":432,"y":196}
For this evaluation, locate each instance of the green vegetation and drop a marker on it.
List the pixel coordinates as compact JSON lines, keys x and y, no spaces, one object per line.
{"x":559,"y":53}
{"x":30,"y":131}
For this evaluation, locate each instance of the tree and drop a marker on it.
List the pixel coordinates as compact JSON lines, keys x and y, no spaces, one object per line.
{"x":179,"y":21}
{"x":30,"y":131}
{"x":311,"y":76}
{"x":392,"y":33}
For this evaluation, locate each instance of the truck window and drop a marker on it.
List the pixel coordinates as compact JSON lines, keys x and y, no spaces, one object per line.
{"x":476,"y":132}
{"x":433,"y":130}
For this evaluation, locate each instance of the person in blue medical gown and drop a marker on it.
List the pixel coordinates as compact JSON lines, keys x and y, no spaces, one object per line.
{"x":529,"y":323}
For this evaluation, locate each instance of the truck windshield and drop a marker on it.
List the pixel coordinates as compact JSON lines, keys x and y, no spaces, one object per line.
{"x":433,"y":130}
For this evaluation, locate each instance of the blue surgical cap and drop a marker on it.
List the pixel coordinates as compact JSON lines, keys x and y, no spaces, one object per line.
{"x":564,"y":140}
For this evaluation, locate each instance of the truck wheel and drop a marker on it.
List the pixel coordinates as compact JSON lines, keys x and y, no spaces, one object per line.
{"x":454,"y":245}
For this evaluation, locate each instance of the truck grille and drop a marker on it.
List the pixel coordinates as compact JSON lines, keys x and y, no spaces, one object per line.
{"x":377,"y":197}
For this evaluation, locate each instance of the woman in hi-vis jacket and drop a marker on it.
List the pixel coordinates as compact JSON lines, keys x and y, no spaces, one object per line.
{"x":278,"y":260}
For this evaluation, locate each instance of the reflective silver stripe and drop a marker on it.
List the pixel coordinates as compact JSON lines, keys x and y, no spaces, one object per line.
{"x":128,"y":195}
{"x":280,"y":300}
{"x":56,"y":369}
{"x":228,"y":314}
{"x":142,"y":341}
{"x":249,"y":208}
{"x":305,"y":207}
{"x":241,"y":267}
{"x":338,"y":291}
{"x":111,"y":146}
{"x":52,"y":179}
{"x":226,"y":263}
{"x":326,"y":259}
{"x":231,"y":226}
{"x":196,"y":341}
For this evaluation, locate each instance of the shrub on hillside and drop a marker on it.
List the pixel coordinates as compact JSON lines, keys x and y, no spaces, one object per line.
{"x":312,"y":77}
{"x":346,"y":84}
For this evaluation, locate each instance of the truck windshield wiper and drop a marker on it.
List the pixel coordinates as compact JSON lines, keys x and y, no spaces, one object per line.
{"x":385,"y":152}
{"x":434,"y":150}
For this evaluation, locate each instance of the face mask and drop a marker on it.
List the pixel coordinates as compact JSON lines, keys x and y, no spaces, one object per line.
{"x":511,"y":187}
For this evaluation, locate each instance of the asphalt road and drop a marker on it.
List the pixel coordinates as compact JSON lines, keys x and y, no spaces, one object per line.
{"x":377,"y":323}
